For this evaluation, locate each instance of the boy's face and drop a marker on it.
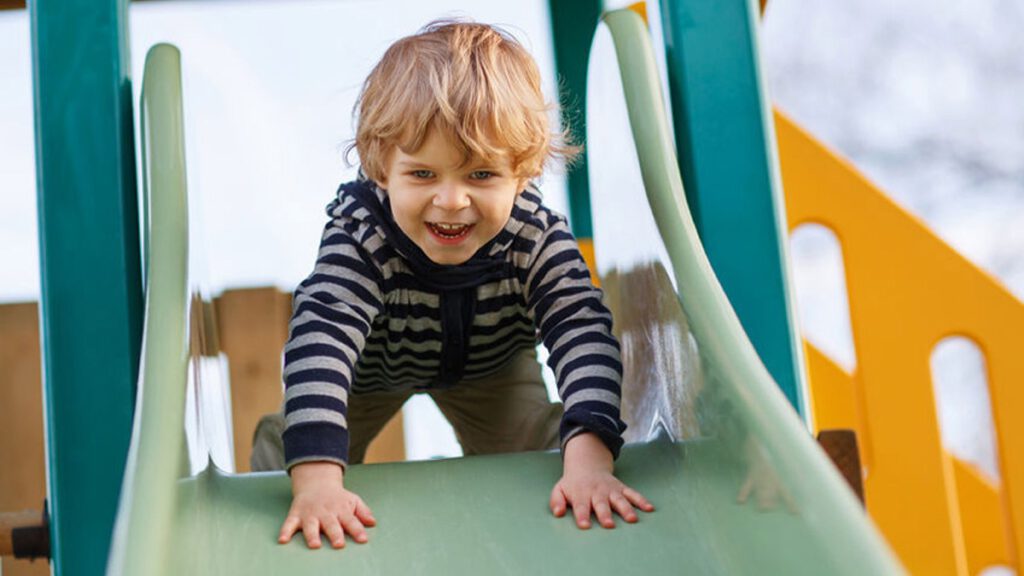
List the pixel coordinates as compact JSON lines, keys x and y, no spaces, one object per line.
{"x":448,"y":207}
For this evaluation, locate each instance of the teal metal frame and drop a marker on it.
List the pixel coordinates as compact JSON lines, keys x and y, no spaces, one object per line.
{"x":572,"y":26}
{"x":726,"y":151}
{"x":90,"y":263}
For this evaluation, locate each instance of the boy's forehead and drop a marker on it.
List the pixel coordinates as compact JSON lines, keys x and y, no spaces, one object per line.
{"x":439,"y":148}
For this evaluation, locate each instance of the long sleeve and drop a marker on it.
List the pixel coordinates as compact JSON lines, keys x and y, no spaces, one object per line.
{"x":576,"y":328}
{"x":332,"y":312}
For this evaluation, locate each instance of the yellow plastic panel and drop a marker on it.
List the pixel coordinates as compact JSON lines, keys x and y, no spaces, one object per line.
{"x":587,"y":251}
{"x":836,"y":405}
{"x":982,"y":519}
{"x":908,"y":290}
{"x":832,"y":398}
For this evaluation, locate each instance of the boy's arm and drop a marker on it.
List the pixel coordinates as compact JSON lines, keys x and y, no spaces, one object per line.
{"x":333,"y":310}
{"x":576,"y":328}
{"x":332,"y":313}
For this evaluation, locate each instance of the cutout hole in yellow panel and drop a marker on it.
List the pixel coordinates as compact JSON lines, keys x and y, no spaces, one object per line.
{"x":822,"y":303}
{"x":962,"y":401}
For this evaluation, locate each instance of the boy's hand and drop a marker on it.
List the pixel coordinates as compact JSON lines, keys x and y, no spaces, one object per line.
{"x":321,"y":503}
{"x":588,"y":484}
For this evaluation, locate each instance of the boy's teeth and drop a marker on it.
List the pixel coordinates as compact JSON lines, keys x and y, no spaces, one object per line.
{"x":450,"y":230}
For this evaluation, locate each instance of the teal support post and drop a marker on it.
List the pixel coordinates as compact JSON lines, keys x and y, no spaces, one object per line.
{"x":90,"y":262}
{"x":726,"y":146}
{"x":573,"y":23}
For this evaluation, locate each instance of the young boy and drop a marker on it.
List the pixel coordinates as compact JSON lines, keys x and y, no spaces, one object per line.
{"x":436,"y":272}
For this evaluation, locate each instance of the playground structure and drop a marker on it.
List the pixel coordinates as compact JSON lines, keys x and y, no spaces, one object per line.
{"x":938,"y":515}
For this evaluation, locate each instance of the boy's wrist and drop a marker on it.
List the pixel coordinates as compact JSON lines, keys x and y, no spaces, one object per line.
{"x":587,"y":451}
{"x":319,"y":472}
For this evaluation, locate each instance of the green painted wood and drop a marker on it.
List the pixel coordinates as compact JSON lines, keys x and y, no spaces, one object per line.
{"x":573,"y":23}
{"x":488,"y":514}
{"x":726,"y":144}
{"x":91,"y":279}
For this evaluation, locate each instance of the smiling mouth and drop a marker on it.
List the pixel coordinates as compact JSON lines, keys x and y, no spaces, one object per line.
{"x":449,"y":231}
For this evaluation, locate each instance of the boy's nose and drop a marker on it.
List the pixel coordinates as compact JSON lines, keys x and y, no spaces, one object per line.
{"x":451,"y":197}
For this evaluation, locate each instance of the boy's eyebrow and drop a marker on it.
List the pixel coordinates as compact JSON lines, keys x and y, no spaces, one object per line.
{"x":411,"y":163}
{"x":491,"y":166}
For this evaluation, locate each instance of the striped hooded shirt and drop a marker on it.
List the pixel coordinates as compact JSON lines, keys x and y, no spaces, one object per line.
{"x":377,"y":314}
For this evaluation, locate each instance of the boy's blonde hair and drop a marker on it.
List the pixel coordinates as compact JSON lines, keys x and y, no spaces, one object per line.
{"x":474,"y":83}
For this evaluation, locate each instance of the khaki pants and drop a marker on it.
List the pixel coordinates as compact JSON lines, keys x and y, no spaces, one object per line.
{"x":506,"y":412}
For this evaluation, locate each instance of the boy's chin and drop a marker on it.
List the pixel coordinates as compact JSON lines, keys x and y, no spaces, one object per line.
{"x":448,"y":259}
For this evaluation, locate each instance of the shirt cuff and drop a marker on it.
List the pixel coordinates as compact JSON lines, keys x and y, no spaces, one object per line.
{"x":575,"y":422}
{"x":315,"y":441}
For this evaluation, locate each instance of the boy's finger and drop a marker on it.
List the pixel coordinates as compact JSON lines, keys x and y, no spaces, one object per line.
{"x":603,"y":512}
{"x":364,"y":514}
{"x":291,"y":524}
{"x":334,"y":532}
{"x":557,"y":502}
{"x":311,"y":530}
{"x":623,"y":507}
{"x":638,"y":499}
{"x":581,"y":510}
{"x":354,"y":527}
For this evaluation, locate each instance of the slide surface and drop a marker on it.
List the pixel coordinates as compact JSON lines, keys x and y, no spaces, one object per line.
{"x":708,"y":427}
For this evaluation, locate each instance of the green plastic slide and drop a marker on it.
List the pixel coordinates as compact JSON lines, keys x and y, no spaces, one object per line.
{"x":708,"y":425}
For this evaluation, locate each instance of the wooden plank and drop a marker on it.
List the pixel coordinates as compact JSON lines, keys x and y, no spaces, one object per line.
{"x":252,"y":327}
{"x":23,"y":477}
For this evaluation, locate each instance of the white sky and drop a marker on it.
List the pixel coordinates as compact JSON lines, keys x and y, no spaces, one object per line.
{"x":19,"y":251}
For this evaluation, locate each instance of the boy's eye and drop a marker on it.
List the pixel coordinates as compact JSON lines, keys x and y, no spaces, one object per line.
{"x":481,"y":174}
{"x":421,"y":173}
